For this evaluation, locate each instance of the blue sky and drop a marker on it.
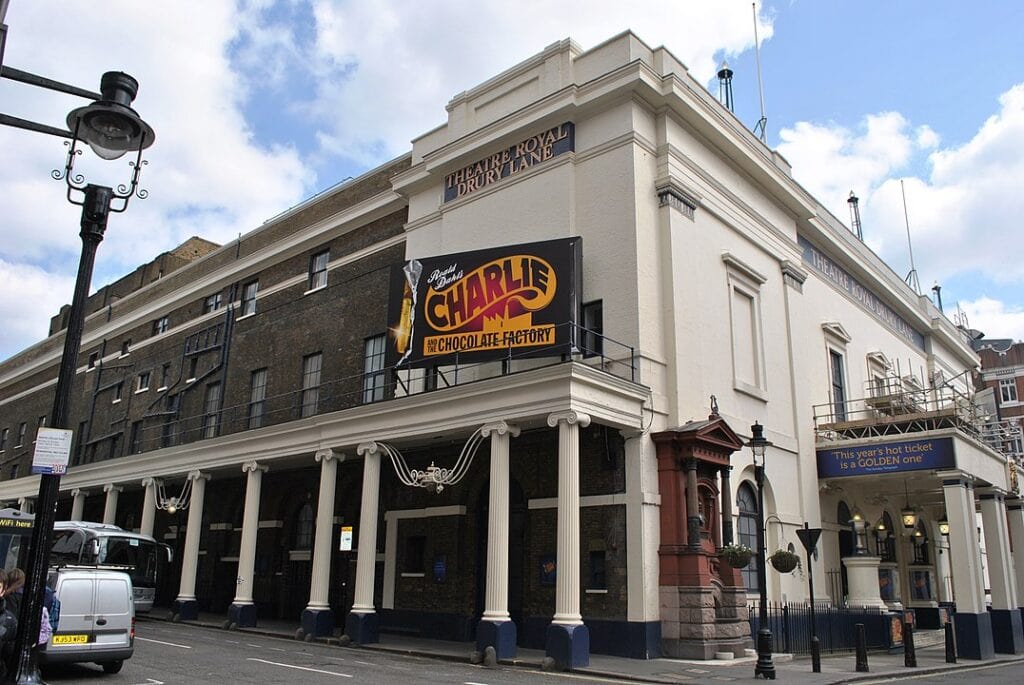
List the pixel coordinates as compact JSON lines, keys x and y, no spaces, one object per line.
{"x":259,"y":104}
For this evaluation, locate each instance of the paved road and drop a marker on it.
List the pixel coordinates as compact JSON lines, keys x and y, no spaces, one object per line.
{"x":994,"y":674}
{"x":175,"y":654}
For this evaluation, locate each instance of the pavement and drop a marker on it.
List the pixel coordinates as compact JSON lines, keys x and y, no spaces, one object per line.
{"x":931,"y":659}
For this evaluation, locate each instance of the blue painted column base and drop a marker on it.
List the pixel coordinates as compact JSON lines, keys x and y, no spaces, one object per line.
{"x":186,"y":609}
{"x":317,"y":622}
{"x":498,"y":634}
{"x":974,"y":635}
{"x":1007,"y":631}
{"x":363,"y":629}
{"x":242,"y":615}
{"x":569,"y":646}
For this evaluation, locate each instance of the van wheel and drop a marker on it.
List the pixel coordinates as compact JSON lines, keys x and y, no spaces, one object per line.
{"x":112,"y":666}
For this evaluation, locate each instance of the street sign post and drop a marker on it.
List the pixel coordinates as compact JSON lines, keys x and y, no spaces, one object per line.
{"x":809,"y":538}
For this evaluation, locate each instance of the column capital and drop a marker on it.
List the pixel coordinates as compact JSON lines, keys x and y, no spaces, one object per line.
{"x":570,"y":417}
{"x":253,"y":466}
{"x":366,"y":448}
{"x":991,"y":493}
{"x":327,"y":454}
{"x":197,"y":475}
{"x":79,"y":491}
{"x":499,"y":428}
{"x":110,"y":487}
{"x":150,"y":482}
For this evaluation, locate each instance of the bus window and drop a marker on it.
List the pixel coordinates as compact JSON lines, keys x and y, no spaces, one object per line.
{"x":67,"y":547}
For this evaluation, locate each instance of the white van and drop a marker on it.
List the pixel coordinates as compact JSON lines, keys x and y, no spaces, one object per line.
{"x":97,"y":618}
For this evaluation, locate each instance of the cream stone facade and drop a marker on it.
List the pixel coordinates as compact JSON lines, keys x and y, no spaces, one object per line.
{"x":723,"y":287}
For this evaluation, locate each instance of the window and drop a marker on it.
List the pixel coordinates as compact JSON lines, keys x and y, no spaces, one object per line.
{"x":80,"y":441}
{"x":193,"y":364}
{"x":126,"y":347}
{"x":1007,"y":390}
{"x":592,"y":342}
{"x":413,"y":559}
{"x":318,"y":270}
{"x":885,"y":539}
{"x":22,"y":427}
{"x":142,"y":383}
{"x":373,"y":369}
{"x":249,"y":297}
{"x":118,"y":389}
{"x":598,"y":577}
{"x":42,"y":421}
{"x":165,"y":376}
{"x":4,"y":434}
{"x":94,"y":358}
{"x":14,"y":471}
{"x":257,"y":397}
{"x":212,"y":303}
{"x":310,"y":383}
{"x":135,"y":441}
{"x":304,"y":525}
{"x":746,"y":503}
{"x":838,"y":385}
{"x":160,"y":325}
{"x":211,"y":411}
{"x":747,"y":344}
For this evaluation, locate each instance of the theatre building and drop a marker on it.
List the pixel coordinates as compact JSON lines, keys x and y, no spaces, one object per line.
{"x":500,"y":389}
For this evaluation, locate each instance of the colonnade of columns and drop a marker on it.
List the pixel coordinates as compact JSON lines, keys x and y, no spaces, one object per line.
{"x":567,"y":637}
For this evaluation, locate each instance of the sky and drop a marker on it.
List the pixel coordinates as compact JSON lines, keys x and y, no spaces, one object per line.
{"x":260,"y":104}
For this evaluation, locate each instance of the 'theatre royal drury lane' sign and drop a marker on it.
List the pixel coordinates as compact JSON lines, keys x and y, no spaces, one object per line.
{"x":519,"y":157}
{"x":481,"y":305}
{"x":887,"y":457}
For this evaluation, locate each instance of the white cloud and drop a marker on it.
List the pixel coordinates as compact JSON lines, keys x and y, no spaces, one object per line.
{"x":31,"y":297}
{"x":994,"y":318}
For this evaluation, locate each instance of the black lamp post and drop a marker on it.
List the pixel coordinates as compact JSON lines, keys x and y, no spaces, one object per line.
{"x":764,"y":668}
{"x":111,"y":128}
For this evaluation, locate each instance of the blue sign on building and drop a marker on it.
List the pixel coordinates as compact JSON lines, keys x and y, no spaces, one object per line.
{"x":887,"y":457}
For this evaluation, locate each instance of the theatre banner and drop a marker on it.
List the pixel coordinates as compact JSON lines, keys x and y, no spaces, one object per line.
{"x":887,"y":457}
{"x":480,"y":305}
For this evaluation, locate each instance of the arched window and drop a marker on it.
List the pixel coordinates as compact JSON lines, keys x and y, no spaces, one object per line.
{"x":304,"y":527}
{"x":746,"y":504}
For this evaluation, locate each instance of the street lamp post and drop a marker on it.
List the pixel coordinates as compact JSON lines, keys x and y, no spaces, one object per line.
{"x":764,"y":668}
{"x":111,"y":128}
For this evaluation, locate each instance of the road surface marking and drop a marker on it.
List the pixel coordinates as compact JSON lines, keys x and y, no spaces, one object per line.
{"x":362,"y":663}
{"x":160,"y":642}
{"x":150,"y":681}
{"x":301,"y":668}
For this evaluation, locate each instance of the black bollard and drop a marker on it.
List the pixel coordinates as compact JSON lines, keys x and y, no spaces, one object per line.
{"x":815,"y":655}
{"x":950,"y":644}
{"x":909,"y":653}
{"x":862,"y":649}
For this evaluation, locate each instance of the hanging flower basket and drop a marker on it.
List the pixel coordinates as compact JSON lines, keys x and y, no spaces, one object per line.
{"x":784,"y":561}
{"x":737,"y":556}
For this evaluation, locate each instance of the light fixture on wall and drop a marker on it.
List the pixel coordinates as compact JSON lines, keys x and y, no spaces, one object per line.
{"x":172,"y":504}
{"x":908,"y":514}
{"x":434,"y":478}
{"x":944,"y":525}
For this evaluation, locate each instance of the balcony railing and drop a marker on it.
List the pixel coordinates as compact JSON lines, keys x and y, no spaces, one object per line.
{"x":165,"y":426}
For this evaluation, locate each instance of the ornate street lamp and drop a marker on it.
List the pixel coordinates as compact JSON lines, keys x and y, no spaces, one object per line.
{"x":944,"y":526}
{"x":908,"y":514}
{"x":765,"y":668}
{"x":111,"y":128}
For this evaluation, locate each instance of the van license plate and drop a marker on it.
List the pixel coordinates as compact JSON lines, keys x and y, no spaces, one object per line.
{"x":70,"y":639}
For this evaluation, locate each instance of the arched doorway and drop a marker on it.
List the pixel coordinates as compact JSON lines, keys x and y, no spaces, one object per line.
{"x":746,"y":533}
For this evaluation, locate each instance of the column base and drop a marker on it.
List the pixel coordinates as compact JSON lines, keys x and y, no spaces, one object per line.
{"x":186,"y":609}
{"x":363,"y":629}
{"x":317,"y":622}
{"x":1007,"y":631}
{"x":973,"y":635}
{"x":242,"y":615}
{"x":501,"y":635}
{"x":569,"y":646}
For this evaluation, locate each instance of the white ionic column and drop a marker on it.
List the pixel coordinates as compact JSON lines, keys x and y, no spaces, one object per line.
{"x":110,"y":508}
{"x":567,"y":574}
{"x":1015,"y":515}
{"x":193,"y":532}
{"x":78,"y":504}
{"x":997,"y":544}
{"x":366,"y":557}
{"x":968,"y":586}
{"x":496,"y":601}
{"x":250,"y":527}
{"x":149,"y":486}
{"x":320,"y":583}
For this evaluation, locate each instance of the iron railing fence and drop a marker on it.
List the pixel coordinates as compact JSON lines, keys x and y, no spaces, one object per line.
{"x":790,"y":624}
